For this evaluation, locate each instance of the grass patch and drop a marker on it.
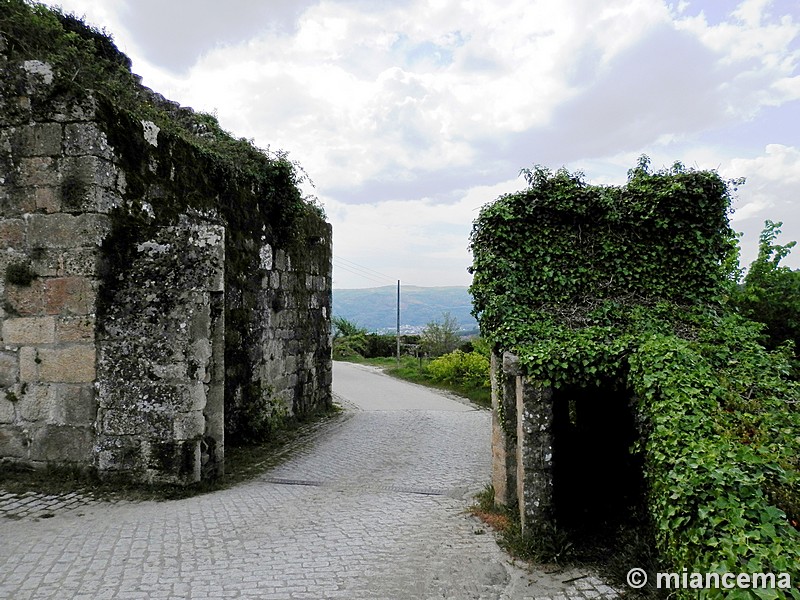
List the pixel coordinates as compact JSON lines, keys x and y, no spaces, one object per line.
{"x":242,"y":464}
{"x":611,"y":552}
{"x":415,"y":370}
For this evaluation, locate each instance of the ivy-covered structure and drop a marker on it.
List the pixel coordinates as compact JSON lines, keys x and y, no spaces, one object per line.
{"x":166,"y":287}
{"x":620,"y":371}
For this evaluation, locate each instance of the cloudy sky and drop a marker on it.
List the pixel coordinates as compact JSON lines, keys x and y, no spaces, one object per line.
{"x":408,"y":115}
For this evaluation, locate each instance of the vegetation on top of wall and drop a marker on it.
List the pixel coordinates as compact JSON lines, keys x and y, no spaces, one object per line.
{"x":86,"y":62}
{"x":632,"y":284}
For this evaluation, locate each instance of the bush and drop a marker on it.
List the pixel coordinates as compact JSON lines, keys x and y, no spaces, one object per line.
{"x":770,"y":293}
{"x":461,"y":368}
{"x":378,"y":346}
{"x":440,"y":337}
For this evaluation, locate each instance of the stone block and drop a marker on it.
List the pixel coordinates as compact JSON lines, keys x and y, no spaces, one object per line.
{"x":71,"y":111}
{"x":195,"y":397}
{"x":74,"y":405}
{"x":18,"y":201}
{"x":29,"y":331}
{"x":79,"y":261}
{"x":66,"y":231}
{"x":41,"y":139}
{"x":86,"y":139}
{"x":189,"y":425}
{"x":38,"y":171}
{"x":102,"y":200}
{"x":38,"y":76}
{"x":9,"y":370}
{"x":28,"y":364}
{"x":63,"y":443}
{"x":47,"y":199}
{"x":67,"y":364}
{"x":12,"y":233}
{"x":511,"y":364}
{"x":69,"y":295}
{"x":534,"y":453}
{"x":90,"y":170}
{"x":158,"y":422}
{"x":280,"y":260}
{"x":65,"y":262}
{"x":174,"y":371}
{"x":8,"y":411}
{"x":25,"y":300}
{"x":14,"y":442}
{"x":36,"y":403}
{"x":75,"y":329}
{"x":118,"y":422}
{"x":119,"y":454}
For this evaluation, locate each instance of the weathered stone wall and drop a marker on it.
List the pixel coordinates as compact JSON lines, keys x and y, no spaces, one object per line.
{"x":161,"y":346}
{"x":154,"y":297}
{"x":49,"y":267}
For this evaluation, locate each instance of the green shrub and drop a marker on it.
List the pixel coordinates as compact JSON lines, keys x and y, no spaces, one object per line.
{"x":469,"y":369}
{"x":377,"y":346}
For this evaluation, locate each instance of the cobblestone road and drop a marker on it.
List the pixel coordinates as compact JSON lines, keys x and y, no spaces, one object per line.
{"x":373,"y":508}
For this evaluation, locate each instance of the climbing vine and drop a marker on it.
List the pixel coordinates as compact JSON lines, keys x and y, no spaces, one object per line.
{"x":631,"y":284}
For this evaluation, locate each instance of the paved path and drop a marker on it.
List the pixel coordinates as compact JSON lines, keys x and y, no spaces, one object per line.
{"x":374,"y":508}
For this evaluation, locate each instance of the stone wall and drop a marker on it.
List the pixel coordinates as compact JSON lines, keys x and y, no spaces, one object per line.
{"x":154,"y":297}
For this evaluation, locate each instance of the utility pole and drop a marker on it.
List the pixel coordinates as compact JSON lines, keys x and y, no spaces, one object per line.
{"x":398,"y":322}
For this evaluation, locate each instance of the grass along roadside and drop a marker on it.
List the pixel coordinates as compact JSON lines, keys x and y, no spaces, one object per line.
{"x":242,"y":463}
{"x":415,"y":370}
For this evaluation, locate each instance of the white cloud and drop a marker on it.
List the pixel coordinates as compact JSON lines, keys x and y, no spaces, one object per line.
{"x":397,"y":106}
{"x":771,"y":192}
{"x":396,"y":237}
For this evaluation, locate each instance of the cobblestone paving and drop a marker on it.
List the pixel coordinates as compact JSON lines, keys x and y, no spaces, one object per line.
{"x":373,"y":509}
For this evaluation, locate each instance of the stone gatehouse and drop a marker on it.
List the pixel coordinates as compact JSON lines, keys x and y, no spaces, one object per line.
{"x":164,"y":287}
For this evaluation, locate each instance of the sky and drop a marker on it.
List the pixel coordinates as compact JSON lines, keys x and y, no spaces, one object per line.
{"x":409,"y":115}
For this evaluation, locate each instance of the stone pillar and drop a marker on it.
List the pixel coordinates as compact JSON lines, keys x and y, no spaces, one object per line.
{"x":161,"y":359}
{"x":504,"y":429}
{"x":534,"y":453}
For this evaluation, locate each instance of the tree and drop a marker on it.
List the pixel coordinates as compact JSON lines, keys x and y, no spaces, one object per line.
{"x":770,"y":293}
{"x":441,"y":337}
{"x":345,"y":328}
{"x":349,"y":339}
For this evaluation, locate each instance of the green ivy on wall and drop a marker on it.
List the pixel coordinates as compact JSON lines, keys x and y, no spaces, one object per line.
{"x":631,"y":284}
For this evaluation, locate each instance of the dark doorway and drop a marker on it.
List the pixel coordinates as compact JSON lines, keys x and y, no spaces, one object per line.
{"x":597,"y":483}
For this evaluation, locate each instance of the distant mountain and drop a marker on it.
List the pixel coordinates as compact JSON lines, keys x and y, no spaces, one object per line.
{"x":375,"y":309}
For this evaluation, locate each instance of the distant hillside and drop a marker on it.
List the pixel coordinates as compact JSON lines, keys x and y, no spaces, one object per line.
{"x":376,"y":308}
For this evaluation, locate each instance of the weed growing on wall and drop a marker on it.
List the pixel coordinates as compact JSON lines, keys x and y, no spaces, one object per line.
{"x":632,"y":284}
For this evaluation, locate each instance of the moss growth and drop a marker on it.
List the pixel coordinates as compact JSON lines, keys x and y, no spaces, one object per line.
{"x":73,"y":192}
{"x":20,"y":274}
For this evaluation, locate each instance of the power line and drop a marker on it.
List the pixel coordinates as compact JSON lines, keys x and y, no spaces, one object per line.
{"x":362,"y":271}
{"x":365,"y":272}
{"x":360,"y":274}
{"x":361,"y":267}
